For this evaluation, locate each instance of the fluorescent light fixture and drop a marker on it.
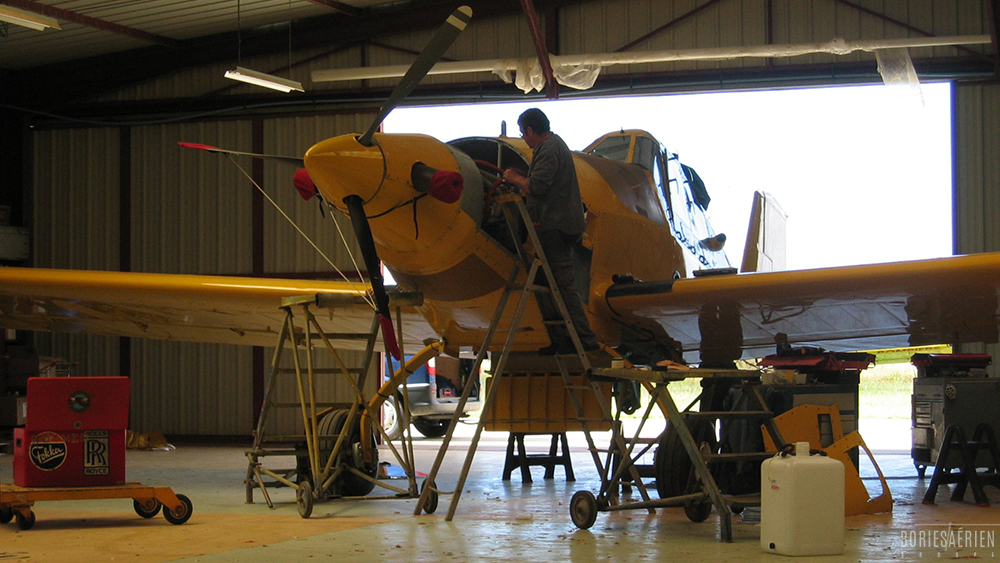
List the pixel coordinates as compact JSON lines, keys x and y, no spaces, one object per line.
{"x":262,"y":79}
{"x":27,"y":19}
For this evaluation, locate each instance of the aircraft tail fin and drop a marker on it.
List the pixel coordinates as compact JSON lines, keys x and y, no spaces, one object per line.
{"x":765,"y":246}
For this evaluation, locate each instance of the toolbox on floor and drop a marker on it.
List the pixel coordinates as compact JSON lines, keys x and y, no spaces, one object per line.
{"x":74,"y":434}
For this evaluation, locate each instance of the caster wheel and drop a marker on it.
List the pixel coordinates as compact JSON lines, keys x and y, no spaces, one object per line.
{"x":431,"y":504}
{"x":304,"y":499}
{"x":25,"y":523}
{"x":6,"y":514}
{"x":181,"y":514}
{"x":146,"y":508}
{"x":698,"y":511}
{"x":583,"y":509}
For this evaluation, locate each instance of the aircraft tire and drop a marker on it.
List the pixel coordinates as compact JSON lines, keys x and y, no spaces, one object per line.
{"x":671,"y":464}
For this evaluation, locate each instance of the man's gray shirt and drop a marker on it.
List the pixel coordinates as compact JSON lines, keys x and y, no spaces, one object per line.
{"x":553,"y":191}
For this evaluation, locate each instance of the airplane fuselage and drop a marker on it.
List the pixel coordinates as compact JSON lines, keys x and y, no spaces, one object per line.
{"x":642,"y":220}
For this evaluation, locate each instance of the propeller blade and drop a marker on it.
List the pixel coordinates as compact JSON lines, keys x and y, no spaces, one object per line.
{"x":363,"y":232}
{"x":431,"y":54}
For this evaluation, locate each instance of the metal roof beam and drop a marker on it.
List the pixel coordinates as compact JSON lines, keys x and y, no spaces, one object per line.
{"x":551,"y":87}
{"x":338,"y":6}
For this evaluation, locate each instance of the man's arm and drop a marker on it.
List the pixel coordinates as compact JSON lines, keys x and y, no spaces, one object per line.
{"x":515,"y":177}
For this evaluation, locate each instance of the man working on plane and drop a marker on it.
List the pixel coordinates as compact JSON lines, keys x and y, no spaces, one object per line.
{"x":553,"y":200}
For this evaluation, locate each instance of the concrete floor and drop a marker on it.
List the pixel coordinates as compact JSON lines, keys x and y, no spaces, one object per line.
{"x":495,"y":521}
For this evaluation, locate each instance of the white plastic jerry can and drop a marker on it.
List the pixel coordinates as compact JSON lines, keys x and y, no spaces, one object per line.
{"x":802,"y":504}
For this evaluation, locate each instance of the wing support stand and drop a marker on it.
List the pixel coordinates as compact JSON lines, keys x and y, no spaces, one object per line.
{"x":336,"y":452}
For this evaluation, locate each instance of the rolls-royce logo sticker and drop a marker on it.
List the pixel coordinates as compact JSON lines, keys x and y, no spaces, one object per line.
{"x":95,"y":452}
{"x":47,"y":451}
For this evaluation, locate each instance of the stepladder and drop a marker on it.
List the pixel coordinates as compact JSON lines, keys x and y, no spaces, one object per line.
{"x":530,"y":277}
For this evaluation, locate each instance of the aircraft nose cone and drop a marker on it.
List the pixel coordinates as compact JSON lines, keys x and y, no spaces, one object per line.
{"x":342,"y":166}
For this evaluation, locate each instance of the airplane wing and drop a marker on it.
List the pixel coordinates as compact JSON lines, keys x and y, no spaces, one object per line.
{"x":941,"y":301}
{"x":221,"y":309}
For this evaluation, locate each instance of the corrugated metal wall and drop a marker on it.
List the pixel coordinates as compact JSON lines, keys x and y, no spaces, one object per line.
{"x":76,"y":202}
{"x":191,"y":212}
{"x":977,"y":179}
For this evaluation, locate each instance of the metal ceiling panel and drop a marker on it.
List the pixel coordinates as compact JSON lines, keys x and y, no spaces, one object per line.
{"x":171,"y":19}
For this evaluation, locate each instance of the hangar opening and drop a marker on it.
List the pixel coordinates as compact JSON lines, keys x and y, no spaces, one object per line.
{"x":864,"y":173}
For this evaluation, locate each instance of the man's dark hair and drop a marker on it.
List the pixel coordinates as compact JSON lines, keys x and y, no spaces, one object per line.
{"x":535,"y":119}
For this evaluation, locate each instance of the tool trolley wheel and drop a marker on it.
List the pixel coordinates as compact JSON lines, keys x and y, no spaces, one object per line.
{"x":698,"y":511}
{"x":147,"y":508}
{"x":181,"y":514}
{"x":304,"y":499}
{"x":583,"y":509}
{"x":6,"y":514}
{"x":25,"y":522}
{"x":431,"y":504}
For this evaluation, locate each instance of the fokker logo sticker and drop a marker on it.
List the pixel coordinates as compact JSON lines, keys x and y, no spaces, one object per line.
{"x":47,"y":451}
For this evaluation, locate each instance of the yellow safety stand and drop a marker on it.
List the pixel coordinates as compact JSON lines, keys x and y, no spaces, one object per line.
{"x":809,"y":423}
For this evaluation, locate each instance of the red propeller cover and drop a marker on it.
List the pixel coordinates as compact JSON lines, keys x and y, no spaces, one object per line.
{"x":304,"y":184}
{"x":446,"y":186}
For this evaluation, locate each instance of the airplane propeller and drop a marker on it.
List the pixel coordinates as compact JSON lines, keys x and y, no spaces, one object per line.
{"x":432,"y":53}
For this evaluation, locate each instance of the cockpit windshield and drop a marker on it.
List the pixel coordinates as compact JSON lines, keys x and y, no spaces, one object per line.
{"x":614,"y":148}
{"x":671,"y":193}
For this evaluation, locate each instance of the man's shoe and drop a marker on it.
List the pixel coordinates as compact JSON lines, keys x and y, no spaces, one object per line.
{"x":550,"y":350}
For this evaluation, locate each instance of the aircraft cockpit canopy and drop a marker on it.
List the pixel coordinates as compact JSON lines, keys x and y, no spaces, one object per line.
{"x":681,"y":192}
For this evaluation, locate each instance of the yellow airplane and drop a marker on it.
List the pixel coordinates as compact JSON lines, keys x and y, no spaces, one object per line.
{"x":658,"y":284}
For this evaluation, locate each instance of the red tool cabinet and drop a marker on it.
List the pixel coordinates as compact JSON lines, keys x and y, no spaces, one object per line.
{"x":74,"y":434}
